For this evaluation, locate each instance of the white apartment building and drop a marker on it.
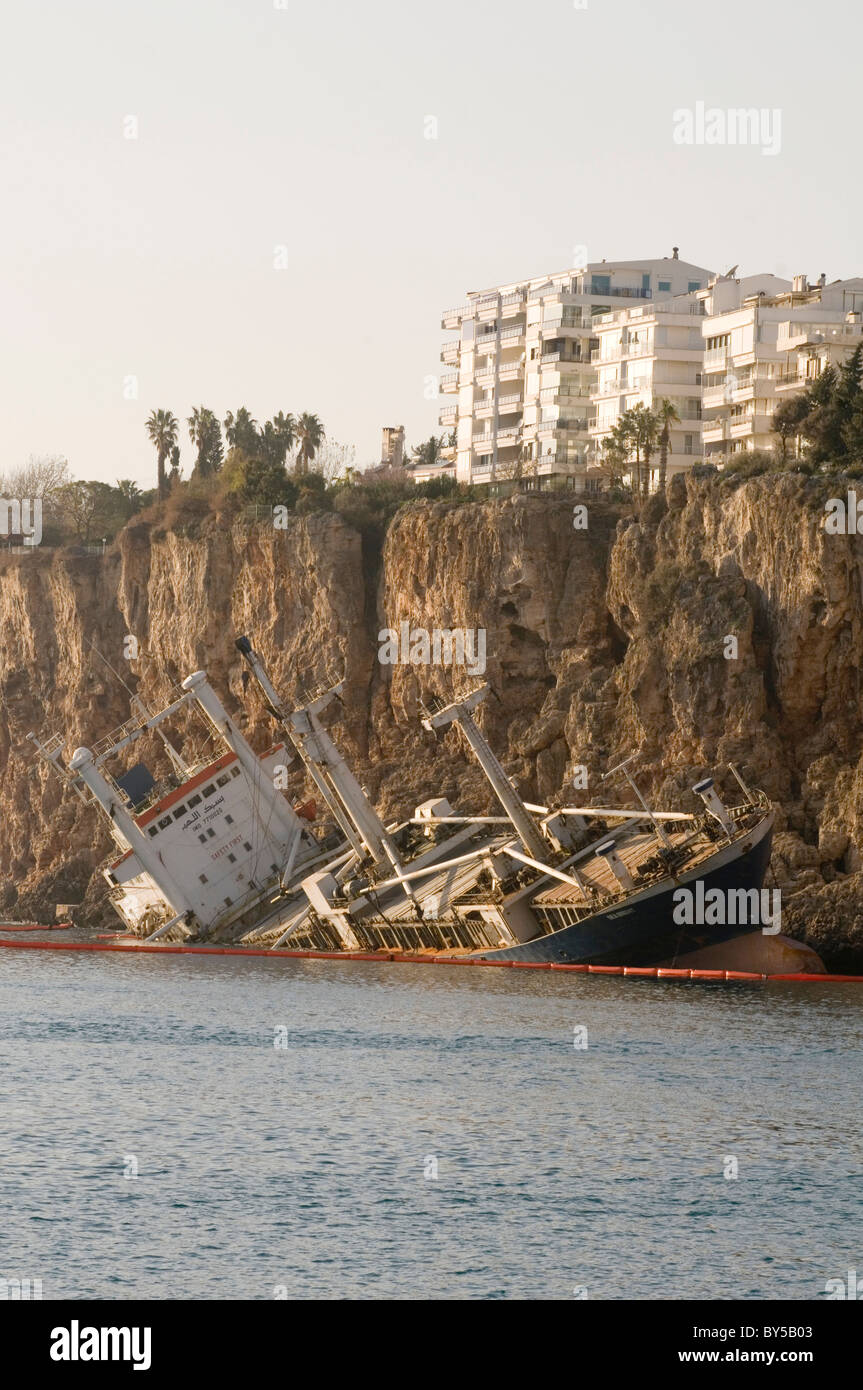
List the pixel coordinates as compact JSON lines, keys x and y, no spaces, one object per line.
{"x":521,"y":376}
{"x":646,"y":354}
{"x":765,"y":338}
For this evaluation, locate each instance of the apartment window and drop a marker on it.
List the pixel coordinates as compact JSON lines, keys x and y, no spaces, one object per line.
{"x":665,"y":285}
{"x":687,"y":444}
{"x":693,"y":285}
{"x":600,"y":284}
{"x":645,"y":282}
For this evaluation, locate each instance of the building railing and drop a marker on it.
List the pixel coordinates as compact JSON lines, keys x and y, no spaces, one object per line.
{"x":617,"y":292}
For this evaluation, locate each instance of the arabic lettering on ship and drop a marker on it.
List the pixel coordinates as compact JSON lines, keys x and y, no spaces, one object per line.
{"x":211,"y":812}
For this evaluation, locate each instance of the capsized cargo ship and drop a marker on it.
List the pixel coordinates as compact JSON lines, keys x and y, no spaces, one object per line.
{"x":215,"y":851}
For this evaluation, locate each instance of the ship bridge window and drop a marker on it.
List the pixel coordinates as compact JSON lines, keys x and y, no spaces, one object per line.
{"x":203,"y":839}
{"x":194,"y":801}
{"x":232,"y":859}
{"x":223,"y":780}
{"x":228,"y":902}
{"x":211,"y":834}
{"x":179,"y":813}
{"x":152,"y":830}
{"x":164,"y":822}
{"x":208,"y":791}
{"x":203,"y":878}
{"x":235,"y":772}
{"x":229,"y":820}
{"x":247,"y":847}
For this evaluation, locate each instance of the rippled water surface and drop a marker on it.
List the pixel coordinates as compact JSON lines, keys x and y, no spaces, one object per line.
{"x":310,"y":1167}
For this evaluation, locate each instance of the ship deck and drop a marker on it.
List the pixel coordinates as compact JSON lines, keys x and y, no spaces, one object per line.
{"x":636,"y":851}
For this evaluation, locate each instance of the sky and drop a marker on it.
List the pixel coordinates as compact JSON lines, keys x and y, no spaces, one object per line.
{"x":242,"y":202}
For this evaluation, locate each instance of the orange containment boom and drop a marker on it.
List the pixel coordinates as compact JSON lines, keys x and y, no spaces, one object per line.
{"x":653,"y":972}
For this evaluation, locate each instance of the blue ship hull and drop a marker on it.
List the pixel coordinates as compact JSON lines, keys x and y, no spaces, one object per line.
{"x":645,"y":932}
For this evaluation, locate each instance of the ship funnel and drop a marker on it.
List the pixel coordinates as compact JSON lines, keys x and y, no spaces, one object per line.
{"x":608,"y":851}
{"x":714,"y":804}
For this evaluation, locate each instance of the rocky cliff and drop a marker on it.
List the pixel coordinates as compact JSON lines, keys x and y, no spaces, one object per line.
{"x":722,"y":625}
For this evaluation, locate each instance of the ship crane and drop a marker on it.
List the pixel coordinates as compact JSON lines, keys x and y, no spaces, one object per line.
{"x":351,"y":808}
{"x":461,"y":713}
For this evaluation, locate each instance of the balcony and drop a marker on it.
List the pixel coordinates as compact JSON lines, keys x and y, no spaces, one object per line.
{"x":509,"y":370}
{"x":564,"y":423}
{"x":450,"y":352}
{"x":449,"y":383}
{"x":713,"y":431}
{"x":448,"y":416}
{"x":715,"y":359}
{"x":451,"y":318}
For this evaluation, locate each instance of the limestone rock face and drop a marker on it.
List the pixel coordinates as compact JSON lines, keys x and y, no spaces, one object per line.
{"x":723,"y":625}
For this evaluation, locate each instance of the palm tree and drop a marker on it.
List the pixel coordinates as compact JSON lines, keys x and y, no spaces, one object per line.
{"x":309,"y":434}
{"x":205,"y":433}
{"x":162,"y":428}
{"x":277,"y":437}
{"x":130,"y":495}
{"x":665,"y":414}
{"x":646,"y":436}
{"x":241,"y":430}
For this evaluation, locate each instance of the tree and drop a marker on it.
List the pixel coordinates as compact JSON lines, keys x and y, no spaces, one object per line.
{"x":241,"y":431}
{"x":309,"y":434}
{"x":666,"y":415}
{"x":40,"y":477}
{"x":87,"y":509}
{"x":789,"y":420}
{"x":276,"y":438}
{"x":638,"y":432}
{"x":205,"y":433}
{"x":260,"y":481}
{"x":615,"y":455}
{"x":130,"y":496}
{"x":334,"y":460}
{"x":645,"y":434}
{"x":162,"y":428}
{"x":428,"y":454}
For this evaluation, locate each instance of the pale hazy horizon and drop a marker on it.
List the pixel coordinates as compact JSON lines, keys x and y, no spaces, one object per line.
{"x":298,"y":133}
